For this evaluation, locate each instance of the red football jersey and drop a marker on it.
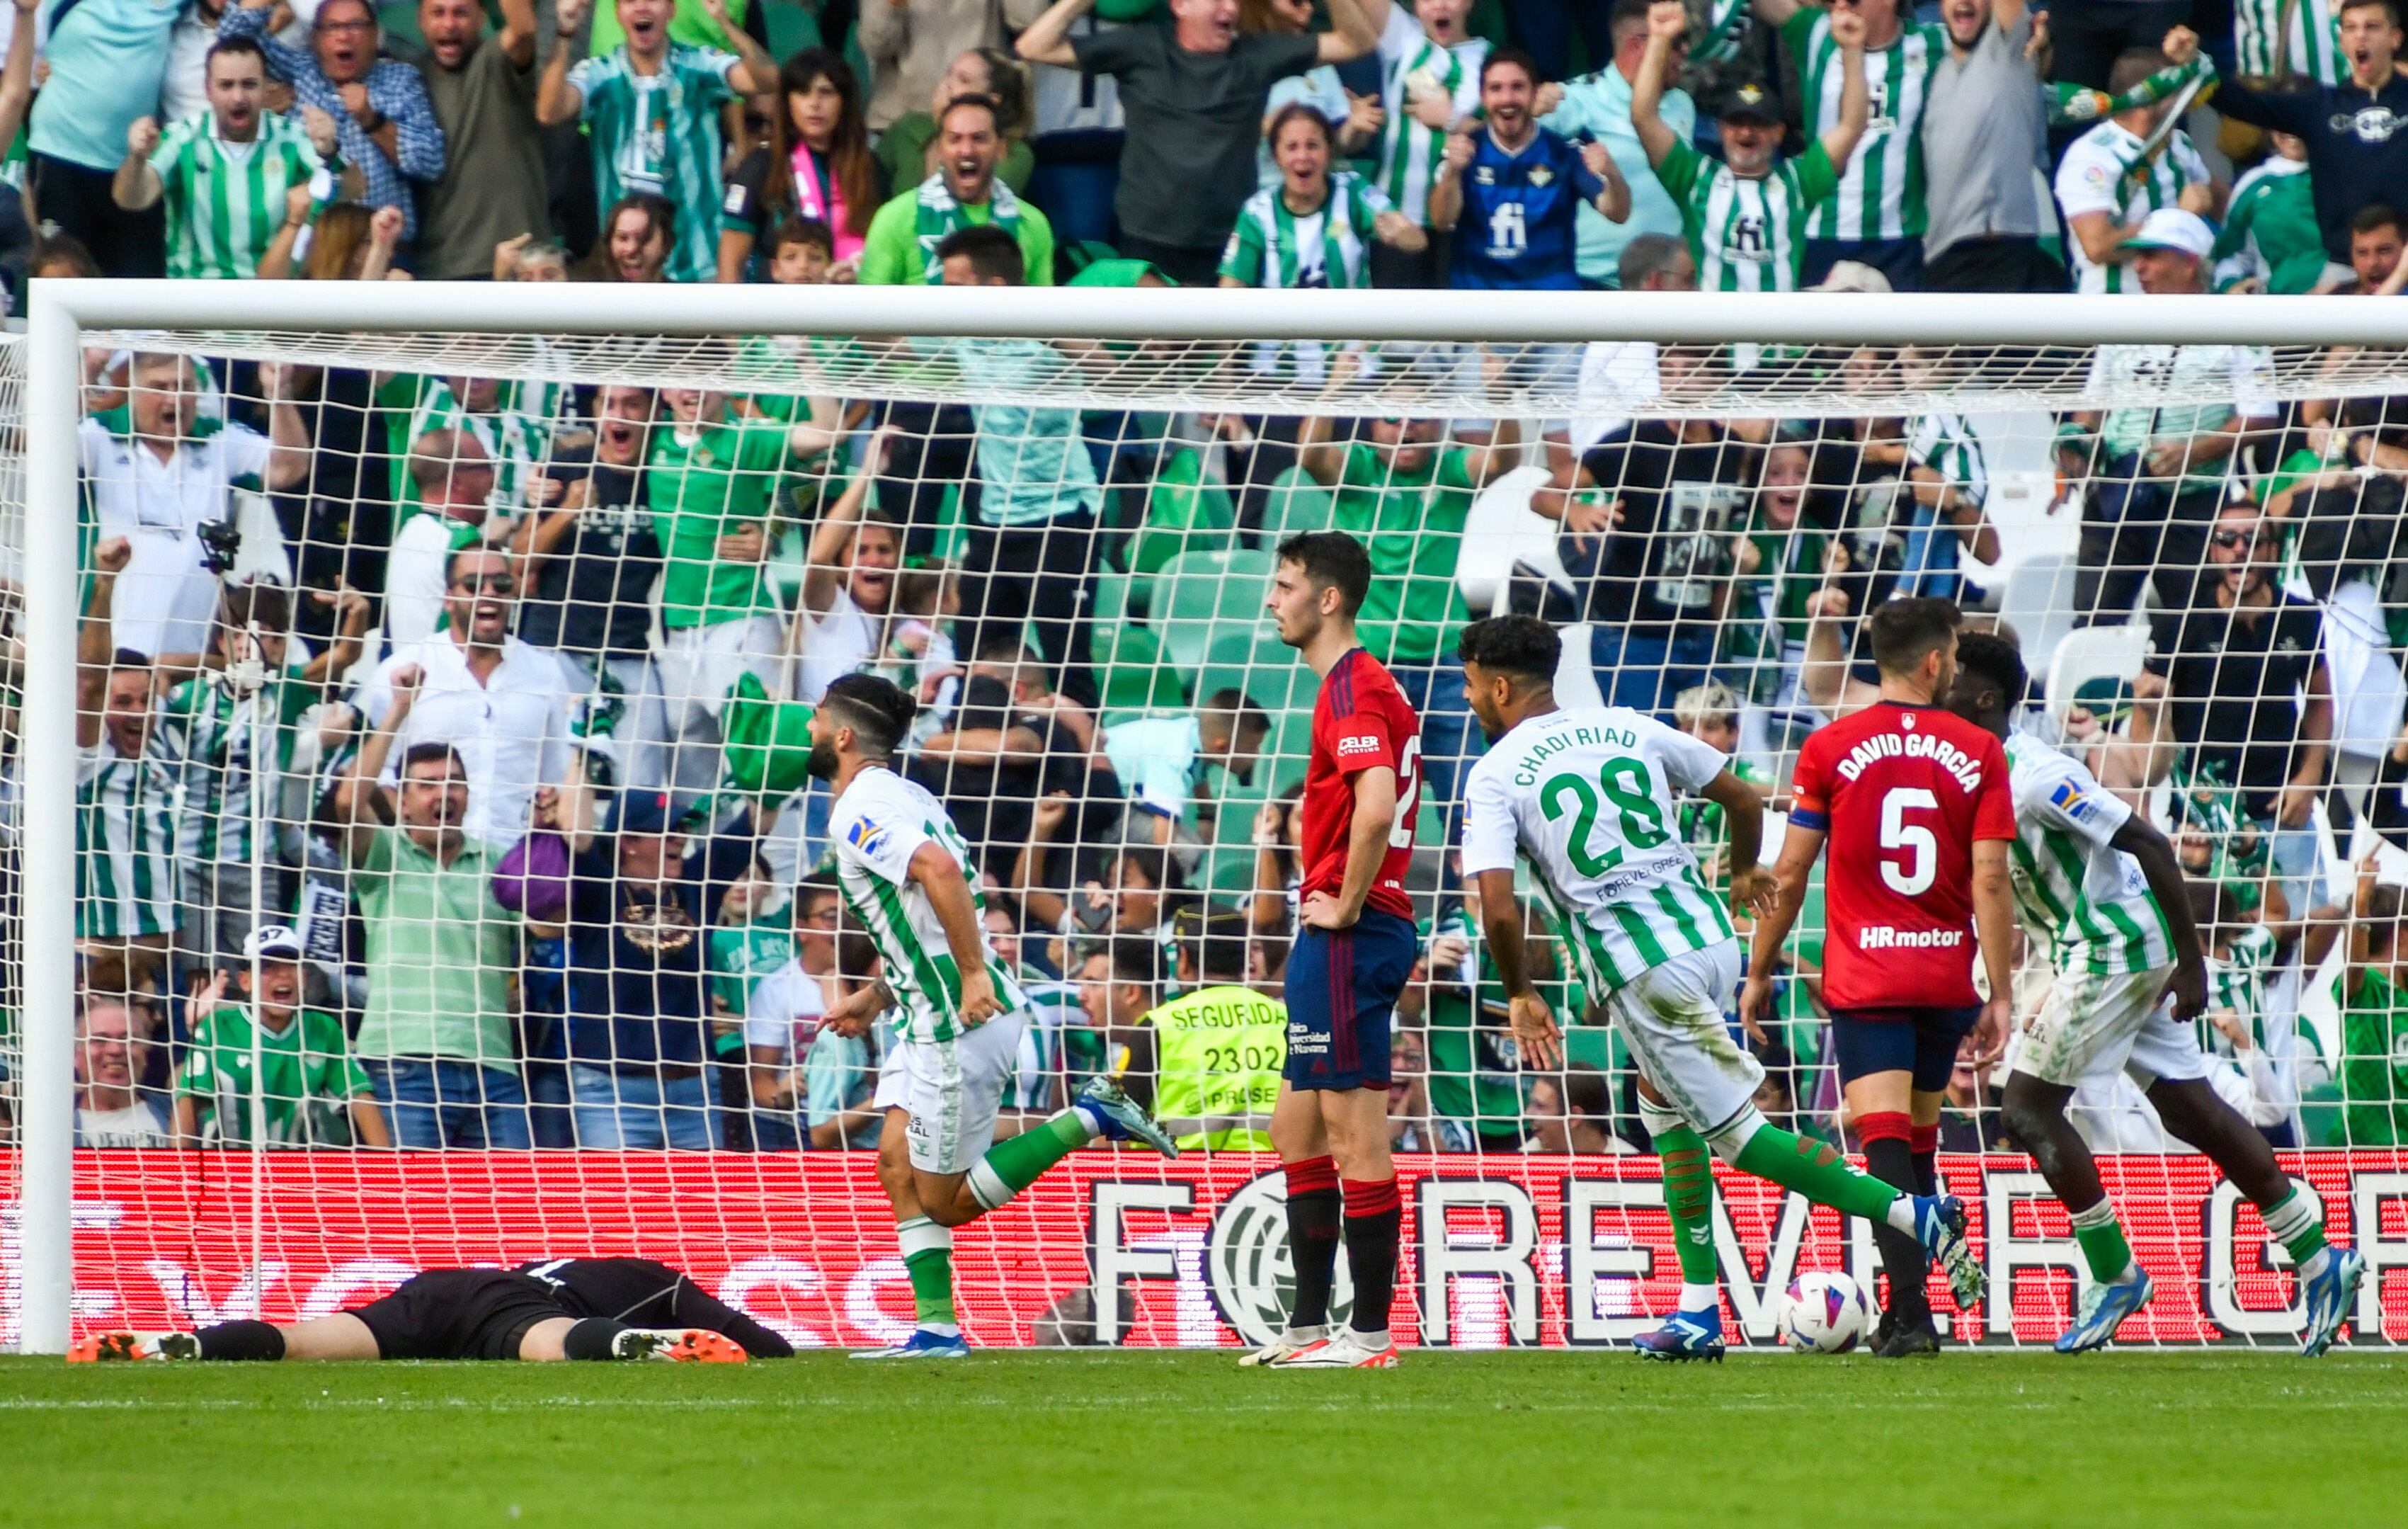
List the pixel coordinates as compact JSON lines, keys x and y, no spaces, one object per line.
{"x":1360,"y":720}
{"x":1903,"y":791}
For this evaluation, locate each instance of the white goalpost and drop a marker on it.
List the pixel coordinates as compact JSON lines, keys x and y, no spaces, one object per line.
{"x":1456,"y":355}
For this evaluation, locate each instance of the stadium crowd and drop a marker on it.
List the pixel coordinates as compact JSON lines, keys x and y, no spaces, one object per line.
{"x":459,"y":782}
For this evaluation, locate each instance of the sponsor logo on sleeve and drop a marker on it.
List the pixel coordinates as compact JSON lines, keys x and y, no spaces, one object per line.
{"x":2068,"y":798}
{"x":865,"y":836}
{"x":1359,"y":745}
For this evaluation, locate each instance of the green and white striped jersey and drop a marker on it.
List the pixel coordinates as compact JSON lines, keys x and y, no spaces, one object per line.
{"x":2236,"y":984}
{"x":1411,"y":64}
{"x":204,"y":734}
{"x":659,"y":133}
{"x":224,"y":201}
{"x":1943,"y":443}
{"x":126,"y":881}
{"x":1881,"y":192}
{"x":2310,"y":45}
{"x":2072,"y":886}
{"x":1746,"y":235}
{"x":515,"y":438}
{"x":2103,"y":171}
{"x":1273,"y":247}
{"x":1588,"y":797}
{"x":874,"y":830}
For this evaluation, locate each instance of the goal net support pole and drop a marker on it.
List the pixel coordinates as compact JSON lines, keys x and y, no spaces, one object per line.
{"x":1197,"y":327}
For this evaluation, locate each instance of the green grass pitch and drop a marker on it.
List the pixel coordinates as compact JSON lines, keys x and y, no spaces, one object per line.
{"x":1164,"y":1440}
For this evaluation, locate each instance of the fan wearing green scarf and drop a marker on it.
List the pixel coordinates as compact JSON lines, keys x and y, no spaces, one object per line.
{"x":964,"y":192}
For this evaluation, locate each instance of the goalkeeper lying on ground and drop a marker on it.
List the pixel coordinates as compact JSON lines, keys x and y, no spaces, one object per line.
{"x":607,"y":1308}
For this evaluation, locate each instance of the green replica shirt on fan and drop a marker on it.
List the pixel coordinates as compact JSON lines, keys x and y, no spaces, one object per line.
{"x":307,"y":1080}
{"x":1746,"y":235}
{"x":1881,"y":192}
{"x":902,"y":247}
{"x":2374,"y":1060}
{"x":701,"y":485}
{"x":1275,"y":247}
{"x":741,"y":954}
{"x":203,"y":732}
{"x":126,"y":876}
{"x":659,"y":133}
{"x":226,"y":201}
{"x":2269,"y":231}
{"x":1410,"y":520}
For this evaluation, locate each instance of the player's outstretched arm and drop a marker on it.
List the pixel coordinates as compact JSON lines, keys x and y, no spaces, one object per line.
{"x":1994,"y":923}
{"x":2140,"y":839}
{"x":1500,"y":924}
{"x":1367,"y":846}
{"x":1753,"y":889}
{"x":941,"y":876}
{"x":1799,"y":851}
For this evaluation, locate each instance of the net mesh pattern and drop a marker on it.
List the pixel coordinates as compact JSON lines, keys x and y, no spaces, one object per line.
{"x":583,"y":993}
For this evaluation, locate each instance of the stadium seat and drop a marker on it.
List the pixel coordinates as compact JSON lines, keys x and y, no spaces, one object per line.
{"x":1229,"y":870}
{"x":1256,"y":663}
{"x":1203,"y":594}
{"x":1289,"y":748}
{"x":1500,"y":530}
{"x":2091,"y":653}
{"x":1184,"y":515}
{"x":1296,"y":504}
{"x":1575,"y":672}
{"x":1135,"y":674}
{"x":2038,"y":603}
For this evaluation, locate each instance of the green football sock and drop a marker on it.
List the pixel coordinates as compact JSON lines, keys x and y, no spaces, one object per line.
{"x":1690,"y":1197}
{"x":1011,"y":1166}
{"x":2102,"y":1237}
{"x":2298,"y":1222}
{"x":929,"y":1256}
{"x":1816,"y":1171}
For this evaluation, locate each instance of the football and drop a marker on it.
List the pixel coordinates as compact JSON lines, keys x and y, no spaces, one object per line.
{"x":1825,"y":1314}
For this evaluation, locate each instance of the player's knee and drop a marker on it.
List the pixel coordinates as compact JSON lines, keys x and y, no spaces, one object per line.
{"x":2030,"y":1110}
{"x":1732,"y":1139}
{"x":959,"y":1209}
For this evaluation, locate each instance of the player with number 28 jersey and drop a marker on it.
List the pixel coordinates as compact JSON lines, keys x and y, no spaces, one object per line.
{"x":1903,"y":792}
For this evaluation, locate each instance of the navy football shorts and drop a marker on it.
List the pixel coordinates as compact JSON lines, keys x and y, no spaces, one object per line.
{"x":1920,"y":1041}
{"x":1341,"y":990}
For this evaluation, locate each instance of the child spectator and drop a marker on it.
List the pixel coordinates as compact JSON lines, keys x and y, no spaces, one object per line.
{"x":799,"y":253}
{"x":2261,"y":1061}
{"x":1709,"y":712}
{"x":2373,"y":993}
{"x":308,"y":1092}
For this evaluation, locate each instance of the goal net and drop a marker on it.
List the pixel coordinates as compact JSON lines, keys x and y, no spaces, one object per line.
{"x":414,"y":858}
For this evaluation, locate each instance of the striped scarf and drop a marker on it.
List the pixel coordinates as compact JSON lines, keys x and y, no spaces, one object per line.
{"x":939,"y":215}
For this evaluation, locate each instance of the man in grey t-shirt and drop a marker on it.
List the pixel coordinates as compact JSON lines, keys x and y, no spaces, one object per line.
{"x":1194,"y":95}
{"x":1984,"y":130}
{"x":482,"y":89}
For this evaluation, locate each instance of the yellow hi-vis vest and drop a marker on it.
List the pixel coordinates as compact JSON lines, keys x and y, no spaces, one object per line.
{"x":1218,"y":1053}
